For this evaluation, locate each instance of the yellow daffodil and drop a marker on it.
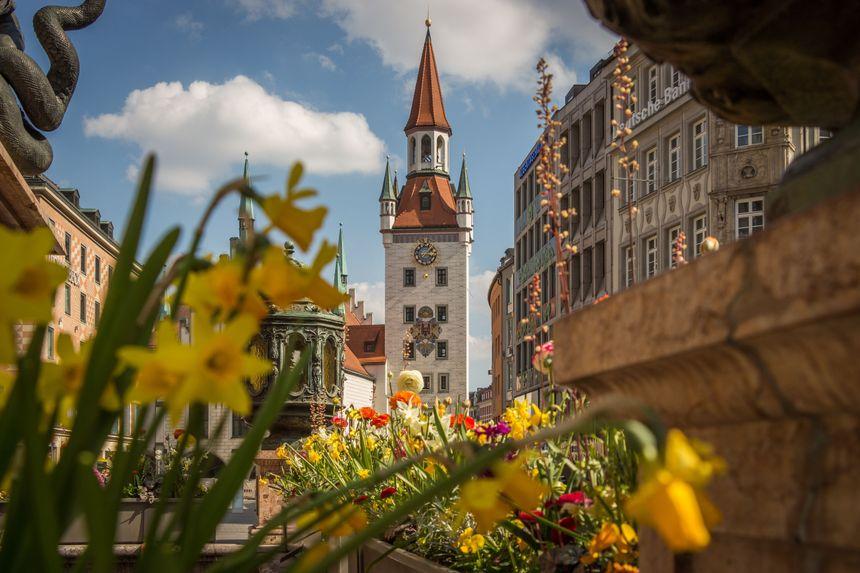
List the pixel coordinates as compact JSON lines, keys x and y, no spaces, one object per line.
{"x":218,"y":364}
{"x":158,"y":376}
{"x":489,"y":500}
{"x":362,"y":473}
{"x":60,"y":383}
{"x":221,"y":289}
{"x":299,"y":224}
{"x":313,"y":456}
{"x":281,"y":452}
{"x":410,"y":380}
{"x":470,"y":542}
{"x":284,"y":282}
{"x":670,"y":498}
{"x":27,"y":283}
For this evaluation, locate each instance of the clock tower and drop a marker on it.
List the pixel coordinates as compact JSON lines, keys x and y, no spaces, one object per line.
{"x":426,"y":230}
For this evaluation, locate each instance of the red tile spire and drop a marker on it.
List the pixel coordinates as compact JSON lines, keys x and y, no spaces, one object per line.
{"x":428,"y":109}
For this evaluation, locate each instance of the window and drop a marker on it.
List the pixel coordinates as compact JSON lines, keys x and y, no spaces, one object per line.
{"x":587,"y":267}
{"x":408,"y":314}
{"x":700,"y":231}
{"x":83,"y":259}
{"x":599,"y":195}
{"x":575,"y":276}
{"x":675,"y":76}
{"x":424,"y":201}
{"x":653,"y":84}
{"x":440,"y":152}
{"x":629,"y":186}
{"x":599,"y":122}
{"x":442,"y":349}
{"x":110,"y":274}
{"x":426,"y":153}
{"x":409,"y":277}
{"x":651,"y":256}
{"x":700,"y":144}
{"x":97,"y":270}
{"x":442,"y":276}
{"x":204,"y":430}
{"x":748,"y":135}
{"x":83,"y":308}
{"x":239,"y":426}
{"x":443,"y":383}
{"x":441,"y":313}
{"x":749,"y":215}
{"x":49,"y":343}
{"x":412,"y":150}
{"x":628,"y":267}
{"x":97,"y":312}
{"x":674,"y":157}
{"x":651,"y":169}
{"x":369,"y":346}
{"x":599,"y":266}
{"x":68,"y":247}
{"x":672,"y":236}
{"x":586,"y":203}
{"x":68,"y":299}
{"x":824,"y":134}
{"x":428,"y":383}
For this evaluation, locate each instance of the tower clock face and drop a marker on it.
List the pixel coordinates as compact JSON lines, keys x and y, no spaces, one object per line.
{"x":425,"y":252}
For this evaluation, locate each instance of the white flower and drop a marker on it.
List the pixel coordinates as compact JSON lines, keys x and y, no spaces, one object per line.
{"x":410,"y":380}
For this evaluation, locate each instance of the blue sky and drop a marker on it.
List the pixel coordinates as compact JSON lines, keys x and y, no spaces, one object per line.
{"x":329,"y":82}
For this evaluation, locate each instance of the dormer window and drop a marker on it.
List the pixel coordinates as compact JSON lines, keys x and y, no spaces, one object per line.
{"x":425,"y":201}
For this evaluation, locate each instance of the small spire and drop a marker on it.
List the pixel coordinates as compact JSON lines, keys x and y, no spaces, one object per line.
{"x":396,"y":185}
{"x":341,"y":255}
{"x":246,"y":207}
{"x":464,"y":191}
{"x":387,"y":193}
{"x":428,"y":22}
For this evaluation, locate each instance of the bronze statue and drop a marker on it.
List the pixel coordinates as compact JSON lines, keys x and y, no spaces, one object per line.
{"x":43,"y":98}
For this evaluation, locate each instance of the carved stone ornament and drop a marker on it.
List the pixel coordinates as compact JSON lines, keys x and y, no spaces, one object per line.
{"x":649,"y":214}
{"x":748,"y":171}
{"x":672,"y":201}
{"x":43,"y":98}
{"x":697,"y":191}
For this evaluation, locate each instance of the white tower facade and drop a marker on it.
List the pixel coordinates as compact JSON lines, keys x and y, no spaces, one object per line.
{"x":426,"y":231}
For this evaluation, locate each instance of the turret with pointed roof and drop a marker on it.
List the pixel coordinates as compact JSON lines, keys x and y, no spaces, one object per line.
{"x":464,"y":199}
{"x":463,"y":189}
{"x":428,"y":109}
{"x":246,"y":207}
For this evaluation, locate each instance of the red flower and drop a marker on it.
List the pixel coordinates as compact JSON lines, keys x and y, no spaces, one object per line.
{"x":530,"y":516}
{"x":405,"y":396}
{"x":387,"y":492}
{"x":359,"y":499}
{"x":574,"y":497}
{"x":560,"y":538}
{"x":177,"y":433}
{"x":380,"y":420}
{"x":462,"y":420}
{"x":339,"y":422}
{"x":367,"y":412}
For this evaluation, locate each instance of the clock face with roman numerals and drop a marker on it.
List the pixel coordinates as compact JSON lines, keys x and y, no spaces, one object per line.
{"x":425,"y":252}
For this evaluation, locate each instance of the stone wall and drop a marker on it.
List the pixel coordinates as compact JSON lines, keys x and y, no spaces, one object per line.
{"x":753,"y":349}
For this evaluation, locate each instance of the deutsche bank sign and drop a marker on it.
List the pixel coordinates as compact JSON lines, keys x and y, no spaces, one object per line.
{"x":670,"y":94}
{"x":533,"y":154}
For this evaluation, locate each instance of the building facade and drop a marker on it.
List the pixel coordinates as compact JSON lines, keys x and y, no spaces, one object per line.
{"x":482,"y":404}
{"x":500,"y":299}
{"x":426,"y":228}
{"x":697,"y":173}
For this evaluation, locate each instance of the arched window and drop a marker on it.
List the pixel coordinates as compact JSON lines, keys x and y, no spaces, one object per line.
{"x":440,"y":152}
{"x":330,"y":366}
{"x":425,"y":201}
{"x":426,"y":149}
{"x":298,"y":344}
{"x":411,"y":151}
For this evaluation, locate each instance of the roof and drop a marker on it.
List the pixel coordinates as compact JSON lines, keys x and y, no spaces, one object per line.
{"x":443,"y":209}
{"x":464,"y":190}
{"x":359,"y":334}
{"x":352,"y":364}
{"x":388,"y":192}
{"x":428,"y":109}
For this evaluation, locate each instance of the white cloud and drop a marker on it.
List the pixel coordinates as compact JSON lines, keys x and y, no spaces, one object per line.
{"x":257,"y":9}
{"x":481,"y":41}
{"x":479,"y":285}
{"x":373,"y":295}
{"x":479,"y":348}
{"x":336,"y":49}
{"x":200,"y":131}
{"x":186,"y":23}
{"x":324,"y":61}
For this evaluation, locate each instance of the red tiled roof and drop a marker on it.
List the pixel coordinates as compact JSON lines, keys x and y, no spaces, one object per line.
{"x":356,"y":337}
{"x":428,"y":109}
{"x":352,"y":363}
{"x":443,"y":209}
{"x":351,"y":319}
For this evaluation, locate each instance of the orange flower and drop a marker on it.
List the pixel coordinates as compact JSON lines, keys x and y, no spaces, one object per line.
{"x":463,"y":420}
{"x":405,"y":396}
{"x":380,"y":420}
{"x":367,"y":412}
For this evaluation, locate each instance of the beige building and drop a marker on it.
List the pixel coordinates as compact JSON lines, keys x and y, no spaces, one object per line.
{"x":500,"y":297}
{"x":698,"y":174}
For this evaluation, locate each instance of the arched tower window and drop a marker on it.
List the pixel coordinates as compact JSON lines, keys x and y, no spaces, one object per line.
{"x":426,"y":149}
{"x":412,"y":150}
{"x":298,"y":344}
{"x":440,"y":152}
{"x":425,"y":201}
{"x":330,"y":366}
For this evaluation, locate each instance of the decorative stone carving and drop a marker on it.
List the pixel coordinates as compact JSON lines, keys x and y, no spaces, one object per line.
{"x":43,"y":99}
{"x":649,"y":214}
{"x":697,"y":191}
{"x":672,"y":201}
{"x":748,"y":171}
